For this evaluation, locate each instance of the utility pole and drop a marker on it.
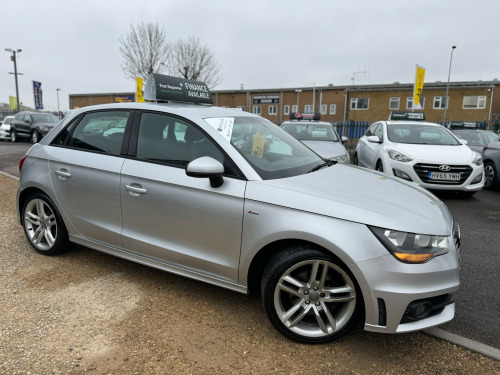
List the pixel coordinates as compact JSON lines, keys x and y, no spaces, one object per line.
{"x":57,"y":91}
{"x":448,"y":87}
{"x":13,"y":58}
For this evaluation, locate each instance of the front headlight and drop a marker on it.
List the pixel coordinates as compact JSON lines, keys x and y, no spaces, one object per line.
{"x":398,"y":156}
{"x":340,"y":159}
{"x":44,"y":128}
{"x":478,"y":160}
{"x":412,"y":247}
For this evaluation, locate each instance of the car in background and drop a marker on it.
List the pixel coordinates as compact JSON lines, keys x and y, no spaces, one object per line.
{"x":476,"y":138}
{"x":425,"y":153}
{"x":5,"y":128}
{"x":229,"y":198}
{"x":32,"y":125}
{"x":491,"y":159}
{"x":319,"y":136}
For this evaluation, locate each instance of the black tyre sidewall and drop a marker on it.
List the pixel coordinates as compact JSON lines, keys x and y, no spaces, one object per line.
{"x":494,"y":181}
{"x":61,"y":240}
{"x":273,"y":272}
{"x":13,"y":134}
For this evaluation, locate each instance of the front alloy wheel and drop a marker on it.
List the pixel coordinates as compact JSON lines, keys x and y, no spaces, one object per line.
{"x":43,"y":225}
{"x":35,"y":137}
{"x":308,"y":297}
{"x":490,"y":176}
{"x":13,"y":136}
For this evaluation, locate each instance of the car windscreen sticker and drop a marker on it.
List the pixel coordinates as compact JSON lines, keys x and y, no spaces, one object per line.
{"x":259,"y":140}
{"x":224,"y":125}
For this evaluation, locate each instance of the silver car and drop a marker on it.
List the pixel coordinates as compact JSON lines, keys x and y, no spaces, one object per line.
{"x":321,"y":137}
{"x":228,"y":198}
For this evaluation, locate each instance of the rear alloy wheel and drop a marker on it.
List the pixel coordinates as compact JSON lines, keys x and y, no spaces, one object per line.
{"x":13,"y":136}
{"x":35,"y":137}
{"x":490,"y":175}
{"x":379,"y":167}
{"x":356,"y":161}
{"x":43,"y":225}
{"x":309,"y":297}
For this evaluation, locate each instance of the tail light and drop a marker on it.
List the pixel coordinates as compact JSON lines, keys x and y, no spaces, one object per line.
{"x":21,"y":162}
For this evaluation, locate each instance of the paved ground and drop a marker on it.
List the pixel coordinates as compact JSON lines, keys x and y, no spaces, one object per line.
{"x":87,"y":312}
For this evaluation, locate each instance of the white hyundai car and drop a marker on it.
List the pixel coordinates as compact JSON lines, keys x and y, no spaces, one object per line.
{"x":425,"y":153}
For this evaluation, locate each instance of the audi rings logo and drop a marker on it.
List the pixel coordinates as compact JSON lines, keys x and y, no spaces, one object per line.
{"x":444,"y":168}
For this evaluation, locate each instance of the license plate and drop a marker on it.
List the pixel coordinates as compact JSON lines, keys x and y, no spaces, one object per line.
{"x":443,"y":176}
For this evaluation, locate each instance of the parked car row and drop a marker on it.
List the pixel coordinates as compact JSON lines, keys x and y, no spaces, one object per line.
{"x":28,"y":126}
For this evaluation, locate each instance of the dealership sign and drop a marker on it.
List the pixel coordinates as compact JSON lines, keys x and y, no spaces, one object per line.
{"x":266,"y":99}
{"x":166,"y":88}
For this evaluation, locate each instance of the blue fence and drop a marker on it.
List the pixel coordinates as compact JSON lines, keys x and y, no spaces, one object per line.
{"x":352,"y":130}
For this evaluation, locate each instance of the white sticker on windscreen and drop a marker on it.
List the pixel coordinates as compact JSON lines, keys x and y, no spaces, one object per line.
{"x":224,"y":125}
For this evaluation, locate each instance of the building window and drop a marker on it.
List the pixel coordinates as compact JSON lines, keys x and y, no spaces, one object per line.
{"x":241,"y":107}
{"x":394,"y":103}
{"x":333,"y":109}
{"x":323,"y":109}
{"x":308,"y":108}
{"x":359,"y":103}
{"x":287,"y":110}
{"x":409,"y":102}
{"x":474,"y":102}
{"x":294,"y":108}
{"x":273,"y":109}
{"x":257,"y":110}
{"x":440,"y":102}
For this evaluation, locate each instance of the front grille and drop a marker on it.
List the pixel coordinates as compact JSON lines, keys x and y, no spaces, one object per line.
{"x":422,"y":170}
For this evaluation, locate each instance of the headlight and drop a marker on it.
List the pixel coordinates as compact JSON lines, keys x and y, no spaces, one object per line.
{"x":398,"y":156}
{"x":44,"y":128}
{"x":340,"y":159}
{"x":478,"y":160}
{"x":412,"y":247}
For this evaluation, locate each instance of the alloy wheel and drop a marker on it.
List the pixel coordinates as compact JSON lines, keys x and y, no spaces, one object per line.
{"x":40,"y":224}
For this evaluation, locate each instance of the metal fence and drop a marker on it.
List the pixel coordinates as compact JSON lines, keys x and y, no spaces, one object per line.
{"x":352,"y":130}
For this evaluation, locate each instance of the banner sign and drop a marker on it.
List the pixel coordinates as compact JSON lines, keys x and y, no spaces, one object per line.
{"x":37,"y":94}
{"x":418,"y":88}
{"x":463,"y":125}
{"x":138,"y":94}
{"x":266,"y":99}
{"x":124,"y":99}
{"x":12,"y":103}
{"x":166,"y":88}
{"x":399,"y":115}
{"x":305,"y":116}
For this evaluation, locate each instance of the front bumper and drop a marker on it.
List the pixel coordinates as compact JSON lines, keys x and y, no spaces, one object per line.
{"x":4,"y":134}
{"x":391,"y":289}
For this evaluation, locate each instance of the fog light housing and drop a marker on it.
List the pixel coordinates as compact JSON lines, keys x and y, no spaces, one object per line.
{"x":401,"y":174}
{"x":478,"y":179}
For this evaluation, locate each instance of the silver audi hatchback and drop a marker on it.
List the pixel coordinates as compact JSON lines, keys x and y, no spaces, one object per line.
{"x":229,"y":198}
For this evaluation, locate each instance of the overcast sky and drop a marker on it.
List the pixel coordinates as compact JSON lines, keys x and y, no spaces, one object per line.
{"x":73,"y":45}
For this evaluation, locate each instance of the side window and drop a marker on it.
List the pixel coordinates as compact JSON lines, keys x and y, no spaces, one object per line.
{"x":379,"y":132}
{"x":100,"y":132}
{"x":172,"y":141}
{"x":26,"y":117}
{"x":371,"y":130}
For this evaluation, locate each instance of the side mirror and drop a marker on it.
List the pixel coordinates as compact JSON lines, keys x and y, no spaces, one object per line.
{"x":206,"y":167}
{"x":373,"y":139}
{"x":344,"y":139}
{"x":463,"y":141}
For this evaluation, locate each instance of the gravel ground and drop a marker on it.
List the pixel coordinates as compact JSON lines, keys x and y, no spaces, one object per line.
{"x":87,"y":312}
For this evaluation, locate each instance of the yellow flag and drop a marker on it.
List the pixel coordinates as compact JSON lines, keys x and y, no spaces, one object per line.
{"x":12,"y":103}
{"x":419,"y":87}
{"x":138,"y":94}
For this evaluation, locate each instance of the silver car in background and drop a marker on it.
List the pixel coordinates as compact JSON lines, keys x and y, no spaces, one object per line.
{"x":227,"y":197}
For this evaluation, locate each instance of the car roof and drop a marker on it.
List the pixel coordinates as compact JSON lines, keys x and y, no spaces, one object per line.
{"x":393,"y":122}
{"x":306,"y":122}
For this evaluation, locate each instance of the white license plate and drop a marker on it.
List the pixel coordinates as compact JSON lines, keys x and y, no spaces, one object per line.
{"x":443,"y":176}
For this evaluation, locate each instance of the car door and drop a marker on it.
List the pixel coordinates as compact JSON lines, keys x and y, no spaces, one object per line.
{"x":365,"y":149}
{"x":171,"y":217}
{"x":85,"y":171}
{"x":372,"y":150}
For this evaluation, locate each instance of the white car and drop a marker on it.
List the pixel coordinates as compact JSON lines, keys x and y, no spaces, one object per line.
{"x":319,"y":136}
{"x":425,"y":153}
{"x":5,"y":128}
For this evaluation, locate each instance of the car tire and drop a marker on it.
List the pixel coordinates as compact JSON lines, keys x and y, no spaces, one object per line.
{"x":309,"y":296}
{"x":35,"y":136}
{"x":43,"y":225}
{"x":379,"y":166}
{"x":490,"y":175}
{"x":356,"y":161}
{"x":13,"y":136}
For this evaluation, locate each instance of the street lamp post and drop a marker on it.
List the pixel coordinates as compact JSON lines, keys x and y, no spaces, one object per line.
{"x":448,"y":86}
{"x":13,"y":58}
{"x":298,"y":91}
{"x":57,"y":91}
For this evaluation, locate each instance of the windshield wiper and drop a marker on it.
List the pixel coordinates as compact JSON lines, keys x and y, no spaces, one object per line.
{"x":327,"y":163}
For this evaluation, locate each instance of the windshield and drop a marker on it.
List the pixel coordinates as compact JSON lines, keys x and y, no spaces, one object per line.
{"x":50,"y":119}
{"x":8,"y":120}
{"x":421,"y":135}
{"x":311,"y":132}
{"x":476,"y":137}
{"x":272,"y":152}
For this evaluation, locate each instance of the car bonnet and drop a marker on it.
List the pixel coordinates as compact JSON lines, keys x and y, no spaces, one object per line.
{"x":358,"y":195}
{"x":326,"y":149}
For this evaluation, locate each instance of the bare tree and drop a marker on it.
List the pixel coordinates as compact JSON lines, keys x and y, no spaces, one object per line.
{"x":144,"y":50}
{"x":191,"y":60}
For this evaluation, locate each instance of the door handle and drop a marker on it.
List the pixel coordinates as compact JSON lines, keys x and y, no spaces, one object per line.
{"x":63,"y":174}
{"x":135,"y":190}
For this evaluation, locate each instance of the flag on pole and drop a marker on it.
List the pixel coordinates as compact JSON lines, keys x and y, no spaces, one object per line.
{"x":138,"y":94}
{"x":12,"y":103}
{"x":37,"y":94}
{"x":419,"y":87}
